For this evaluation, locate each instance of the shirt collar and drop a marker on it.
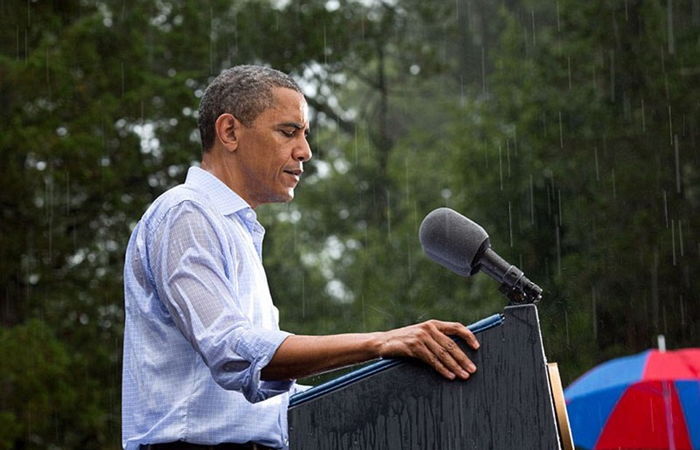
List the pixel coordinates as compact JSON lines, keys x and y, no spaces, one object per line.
{"x":223,"y":198}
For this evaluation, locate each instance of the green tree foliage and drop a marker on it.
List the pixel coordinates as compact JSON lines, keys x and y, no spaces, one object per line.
{"x":590,"y":127}
{"x":41,"y":405}
{"x":567,"y":129}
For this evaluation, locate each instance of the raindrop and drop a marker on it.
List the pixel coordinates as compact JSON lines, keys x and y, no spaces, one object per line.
{"x":673,"y":241}
{"x":612,"y":75}
{"x":123,"y":79}
{"x":560,"y":210}
{"x":594,"y":310}
{"x":678,"y":168}
{"x":597,"y":171}
{"x":326,"y":49}
{"x":561,"y":133}
{"x":483,"y":69}
{"x":532,"y":201}
{"x":655,"y":289}
{"x":508,"y":156}
{"x":67,"y":202}
{"x":388,"y":213}
{"x":364,"y":309}
{"x":500,"y":167}
{"x":665,"y":208}
{"x":409,"y":265}
{"x":48,"y":78}
{"x":614,"y":185}
{"x":510,"y":223}
{"x":670,"y":125}
{"x":682,"y":309}
{"x":544,"y":124}
{"x":568,"y":63}
{"x":680,"y":236}
{"x":644,"y":123}
{"x":669,"y":20}
{"x":595,"y":77}
{"x":211,"y":39}
{"x":558,"y":250}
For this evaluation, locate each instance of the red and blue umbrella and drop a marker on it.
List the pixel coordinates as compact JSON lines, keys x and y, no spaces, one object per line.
{"x":648,"y":400}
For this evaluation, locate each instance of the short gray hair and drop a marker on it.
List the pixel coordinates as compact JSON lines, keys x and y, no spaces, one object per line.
{"x":244,"y":92}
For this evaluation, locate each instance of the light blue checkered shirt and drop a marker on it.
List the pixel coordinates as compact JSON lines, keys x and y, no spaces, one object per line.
{"x":200,"y":323}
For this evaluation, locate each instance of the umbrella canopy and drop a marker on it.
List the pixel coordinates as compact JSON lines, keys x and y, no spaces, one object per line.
{"x":648,"y":400}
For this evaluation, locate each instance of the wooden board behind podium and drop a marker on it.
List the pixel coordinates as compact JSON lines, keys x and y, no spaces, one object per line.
{"x":506,"y":404}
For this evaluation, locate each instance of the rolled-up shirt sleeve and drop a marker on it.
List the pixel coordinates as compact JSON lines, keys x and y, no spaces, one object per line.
{"x":196,"y":284}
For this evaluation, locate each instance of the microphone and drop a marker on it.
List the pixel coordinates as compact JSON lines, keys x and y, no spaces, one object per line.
{"x":463,"y":246}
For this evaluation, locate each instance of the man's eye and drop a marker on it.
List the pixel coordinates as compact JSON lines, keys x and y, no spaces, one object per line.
{"x":288,"y":133}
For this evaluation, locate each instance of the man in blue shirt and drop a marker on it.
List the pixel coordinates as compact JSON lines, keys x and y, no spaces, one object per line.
{"x":205,"y":363}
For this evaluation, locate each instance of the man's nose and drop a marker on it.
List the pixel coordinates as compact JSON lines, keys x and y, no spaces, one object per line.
{"x":303,"y":151}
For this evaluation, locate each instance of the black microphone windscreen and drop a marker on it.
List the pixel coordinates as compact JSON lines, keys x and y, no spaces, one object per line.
{"x":452,"y":240}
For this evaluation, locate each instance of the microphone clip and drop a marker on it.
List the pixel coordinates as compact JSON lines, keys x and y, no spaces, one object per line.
{"x":520,"y":291}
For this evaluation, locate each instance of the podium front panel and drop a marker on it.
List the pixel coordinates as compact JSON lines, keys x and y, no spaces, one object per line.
{"x":506,"y":404}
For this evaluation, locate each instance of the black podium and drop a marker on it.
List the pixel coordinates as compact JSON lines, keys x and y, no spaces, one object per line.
{"x":404,"y":404}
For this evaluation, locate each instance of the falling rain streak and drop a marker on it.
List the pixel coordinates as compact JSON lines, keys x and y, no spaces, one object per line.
{"x":678,"y":164}
{"x":532,"y":201}
{"x":500,"y":168}
{"x":561,"y":133}
{"x":673,"y":241}
{"x":510,"y":224}
{"x":595,"y":159}
{"x":614,"y":184}
{"x":594,"y":310}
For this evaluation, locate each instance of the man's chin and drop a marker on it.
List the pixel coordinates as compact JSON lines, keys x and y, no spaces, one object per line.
{"x":280,"y":197}
{"x":287,"y":197}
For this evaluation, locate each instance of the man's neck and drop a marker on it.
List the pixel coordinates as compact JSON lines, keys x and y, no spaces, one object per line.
{"x":214,"y":162}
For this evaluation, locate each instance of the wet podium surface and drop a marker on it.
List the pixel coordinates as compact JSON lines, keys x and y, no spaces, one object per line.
{"x":404,"y":404}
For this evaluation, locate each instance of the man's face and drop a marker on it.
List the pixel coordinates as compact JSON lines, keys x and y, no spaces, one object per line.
{"x":271,"y":152}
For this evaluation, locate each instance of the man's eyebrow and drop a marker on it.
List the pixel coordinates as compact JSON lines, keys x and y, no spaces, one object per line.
{"x":298,"y":126}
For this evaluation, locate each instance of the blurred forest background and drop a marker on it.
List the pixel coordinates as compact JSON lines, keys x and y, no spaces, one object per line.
{"x":569,"y":130}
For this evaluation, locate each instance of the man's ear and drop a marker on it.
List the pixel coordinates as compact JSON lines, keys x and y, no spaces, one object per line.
{"x":227,"y":128}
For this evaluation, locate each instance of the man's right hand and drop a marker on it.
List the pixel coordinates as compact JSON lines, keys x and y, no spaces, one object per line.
{"x":431,"y":342}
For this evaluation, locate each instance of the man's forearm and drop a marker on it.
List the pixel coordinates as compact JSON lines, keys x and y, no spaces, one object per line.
{"x":301,"y":356}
